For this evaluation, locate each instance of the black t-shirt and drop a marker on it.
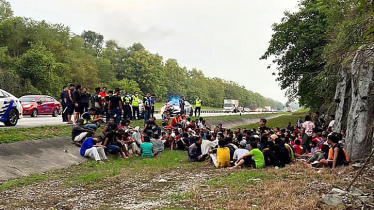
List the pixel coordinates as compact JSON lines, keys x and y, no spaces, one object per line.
{"x":63,"y":95}
{"x":77,"y":97}
{"x":86,"y":116}
{"x":114,"y":102}
{"x":147,"y":102}
{"x":150,"y":125}
{"x":85,"y":98}
{"x":281,"y":153}
{"x":341,"y":154}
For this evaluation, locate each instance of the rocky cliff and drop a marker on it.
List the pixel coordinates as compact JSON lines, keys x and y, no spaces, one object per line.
{"x":355,"y":105}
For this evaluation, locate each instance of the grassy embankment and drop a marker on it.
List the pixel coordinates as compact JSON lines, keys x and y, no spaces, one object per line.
{"x":207,"y":187}
{"x":158,"y":106}
{"x":21,"y":134}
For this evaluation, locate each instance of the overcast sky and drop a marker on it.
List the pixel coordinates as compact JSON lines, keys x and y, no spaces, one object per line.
{"x":223,"y":38}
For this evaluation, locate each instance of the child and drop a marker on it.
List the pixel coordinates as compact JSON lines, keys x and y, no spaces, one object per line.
{"x":297,"y":148}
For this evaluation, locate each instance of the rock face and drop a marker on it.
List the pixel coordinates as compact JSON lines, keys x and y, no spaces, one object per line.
{"x":355,"y":109}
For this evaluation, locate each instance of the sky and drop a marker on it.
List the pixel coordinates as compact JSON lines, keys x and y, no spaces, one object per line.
{"x":223,"y":38}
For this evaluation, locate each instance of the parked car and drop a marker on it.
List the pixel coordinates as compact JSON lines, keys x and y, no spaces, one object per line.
{"x":35,"y":105}
{"x":10,"y":109}
{"x":173,"y":107}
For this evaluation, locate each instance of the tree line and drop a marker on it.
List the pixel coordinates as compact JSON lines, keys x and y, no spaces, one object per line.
{"x":37,"y":57}
{"x":312,"y":45}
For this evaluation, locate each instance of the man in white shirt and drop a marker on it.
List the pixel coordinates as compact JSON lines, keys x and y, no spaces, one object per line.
{"x":241,"y":151}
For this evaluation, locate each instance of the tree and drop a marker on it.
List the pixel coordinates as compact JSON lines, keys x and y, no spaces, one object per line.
{"x":5,"y":10}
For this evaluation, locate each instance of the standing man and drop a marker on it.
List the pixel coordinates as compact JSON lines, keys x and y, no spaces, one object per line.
{"x":135,"y":105}
{"x":103,"y":94}
{"x":63,"y":97}
{"x":70,"y":102}
{"x":96,"y":102}
{"x":78,"y":102}
{"x":147,"y":107}
{"x":85,"y":98}
{"x":181,"y":104}
{"x":115,"y":106}
{"x":198,"y":106}
{"x":152,"y":105}
{"x":127,"y":107}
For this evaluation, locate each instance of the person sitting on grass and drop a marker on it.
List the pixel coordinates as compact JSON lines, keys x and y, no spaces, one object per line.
{"x":79,"y":133}
{"x":221,"y":155}
{"x":91,"y":149}
{"x":277,"y":154}
{"x":253,"y":158}
{"x":151,"y":126}
{"x":338,"y":158}
{"x":146,"y":148}
{"x":194,"y":151}
{"x":112,"y":144}
{"x":158,"y":145}
{"x":131,"y":145}
{"x":241,"y":151}
{"x":89,"y":119}
{"x":297,"y":148}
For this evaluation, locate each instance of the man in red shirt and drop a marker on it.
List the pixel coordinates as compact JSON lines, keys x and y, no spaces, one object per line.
{"x":103,"y":94}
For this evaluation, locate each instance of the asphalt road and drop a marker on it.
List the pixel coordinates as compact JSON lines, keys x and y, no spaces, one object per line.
{"x":41,"y":120}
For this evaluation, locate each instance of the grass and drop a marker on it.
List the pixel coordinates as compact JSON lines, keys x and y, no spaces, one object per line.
{"x":269,"y":188}
{"x":303,"y":111}
{"x":280,"y":122}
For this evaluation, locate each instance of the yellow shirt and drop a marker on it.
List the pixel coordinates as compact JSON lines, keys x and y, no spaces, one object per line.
{"x":223,"y":157}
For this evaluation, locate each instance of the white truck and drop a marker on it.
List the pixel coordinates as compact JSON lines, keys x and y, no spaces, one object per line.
{"x":230,"y":105}
{"x":268,"y":109}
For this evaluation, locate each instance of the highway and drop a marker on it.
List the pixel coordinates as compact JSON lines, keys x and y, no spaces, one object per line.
{"x":41,"y":120}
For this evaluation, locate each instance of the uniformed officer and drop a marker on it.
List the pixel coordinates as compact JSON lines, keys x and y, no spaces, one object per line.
{"x":147,"y":103}
{"x":198,"y":103}
{"x":135,"y":105}
{"x":126,"y":106}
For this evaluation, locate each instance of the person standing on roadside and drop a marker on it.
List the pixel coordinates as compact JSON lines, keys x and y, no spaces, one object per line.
{"x":103,"y":94}
{"x":135,"y":105}
{"x":77,"y":102}
{"x":147,"y":107}
{"x":127,"y":107}
{"x":152,"y":105}
{"x":181,"y":104}
{"x":70,"y":102}
{"x":96,"y":102}
{"x":115,"y":106}
{"x":63,"y":97}
{"x":198,"y":104}
{"x":85,"y":100}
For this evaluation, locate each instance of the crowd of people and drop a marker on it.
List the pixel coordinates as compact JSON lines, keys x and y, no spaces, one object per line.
{"x":312,"y":141}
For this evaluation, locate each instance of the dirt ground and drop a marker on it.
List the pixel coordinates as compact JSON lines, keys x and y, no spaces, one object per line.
{"x":191,"y":186}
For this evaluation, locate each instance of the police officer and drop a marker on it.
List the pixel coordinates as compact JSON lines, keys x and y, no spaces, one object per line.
{"x":181,"y":104}
{"x":198,"y":106}
{"x":126,"y":106}
{"x":147,"y":103}
{"x":135,"y":105}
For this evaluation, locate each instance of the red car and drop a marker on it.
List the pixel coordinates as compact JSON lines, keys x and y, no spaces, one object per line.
{"x":35,"y":105}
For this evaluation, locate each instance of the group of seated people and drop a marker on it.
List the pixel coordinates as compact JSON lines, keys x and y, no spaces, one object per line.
{"x":219,"y":146}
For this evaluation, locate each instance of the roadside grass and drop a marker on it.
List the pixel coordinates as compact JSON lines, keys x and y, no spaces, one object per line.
{"x":303,"y":111}
{"x":280,"y":122}
{"x":22,"y":182}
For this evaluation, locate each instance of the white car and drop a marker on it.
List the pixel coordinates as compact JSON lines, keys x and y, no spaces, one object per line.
{"x":10,"y":108}
{"x":175,"y":109}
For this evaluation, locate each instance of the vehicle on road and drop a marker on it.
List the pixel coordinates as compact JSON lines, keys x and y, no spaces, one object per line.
{"x":230,"y":105}
{"x":10,"y":109}
{"x":174,"y":108}
{"x":246,"y":109}
{"x":35,"y":105}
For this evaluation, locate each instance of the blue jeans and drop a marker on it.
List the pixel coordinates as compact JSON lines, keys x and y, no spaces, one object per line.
{"x":262,"y":146}
{"x":158,"y":129}
{"x":90,"y":125}
{"x":117,"y":113}
{"x":147,"y":114}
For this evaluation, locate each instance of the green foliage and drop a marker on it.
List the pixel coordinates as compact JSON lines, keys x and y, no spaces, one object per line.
{"x":37,"y":57}
{"x":311,"y":46}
